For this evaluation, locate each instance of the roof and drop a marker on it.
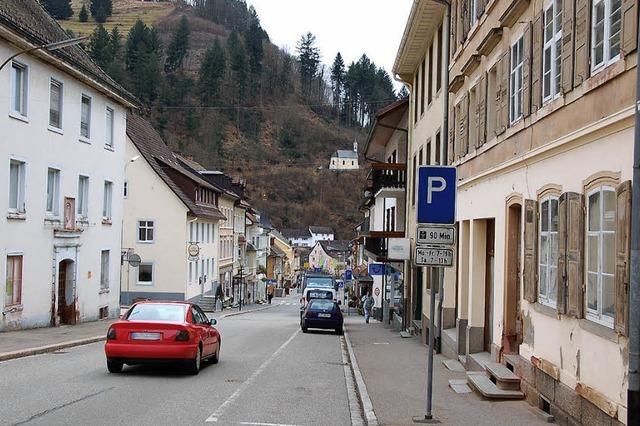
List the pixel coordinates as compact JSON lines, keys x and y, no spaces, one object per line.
{"x":296,"y":233}
{"x":275,"y":251}
{"x":264,"y":221}
{"x":251,"y":247}
{"x":164,"y":163}
{"x":321,"y":230}
{"x":345,"y":153}
{"x":390,"y":116}
{"x":335,"y":248}
{"x":32,"y":24}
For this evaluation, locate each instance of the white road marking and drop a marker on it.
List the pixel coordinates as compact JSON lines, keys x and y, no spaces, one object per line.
{"x":221,"y":409}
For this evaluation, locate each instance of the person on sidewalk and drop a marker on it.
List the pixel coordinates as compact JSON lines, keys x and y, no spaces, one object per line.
{"x":270,"y":291}
{"x":369,"y":301}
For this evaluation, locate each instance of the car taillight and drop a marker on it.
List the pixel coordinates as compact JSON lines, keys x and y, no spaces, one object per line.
{"x":111,"y":334}
{"x":182,"y":336}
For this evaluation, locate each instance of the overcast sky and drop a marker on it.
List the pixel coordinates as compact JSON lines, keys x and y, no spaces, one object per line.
{"x":351,"y":27}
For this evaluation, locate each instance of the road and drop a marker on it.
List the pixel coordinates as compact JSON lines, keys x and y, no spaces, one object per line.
{"x":269,"y":374}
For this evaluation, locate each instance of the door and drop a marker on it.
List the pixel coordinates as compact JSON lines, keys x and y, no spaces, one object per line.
{"x":207,"y":336}
{"x":488,"y":287}
{"x":512,"y":330}
{"x":66,"y":292}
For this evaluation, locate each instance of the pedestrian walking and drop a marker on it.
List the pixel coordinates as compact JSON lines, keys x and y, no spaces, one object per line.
{"x":219,"y":295}
{"x":369,"y":301}
{"x":270,"y":293}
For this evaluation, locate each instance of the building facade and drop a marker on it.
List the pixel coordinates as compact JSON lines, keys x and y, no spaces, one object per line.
{"x":344,"y":160}
{"x":63,"y":122}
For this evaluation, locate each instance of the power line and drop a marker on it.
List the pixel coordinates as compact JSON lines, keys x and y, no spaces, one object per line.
{"x":262,"y":107}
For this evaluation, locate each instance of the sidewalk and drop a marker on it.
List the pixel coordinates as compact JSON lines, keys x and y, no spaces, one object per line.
{"x":17,"y":344}
{"x":395,"y":370}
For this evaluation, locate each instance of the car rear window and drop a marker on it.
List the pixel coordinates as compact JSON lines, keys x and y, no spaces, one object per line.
{"x":157,"y":312}
{"x":319,"y":294}
{"x":321,"y":305}
{"x":320,"y":282}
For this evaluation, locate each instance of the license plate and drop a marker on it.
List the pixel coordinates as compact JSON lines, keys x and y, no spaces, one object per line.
{"x":145,"y":336}
{"x":324,"y":315}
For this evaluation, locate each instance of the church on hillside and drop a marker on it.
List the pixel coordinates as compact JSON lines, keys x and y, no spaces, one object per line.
{"x":343,"y":159}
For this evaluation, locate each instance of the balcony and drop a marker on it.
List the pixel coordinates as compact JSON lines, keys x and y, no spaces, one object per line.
{"x":388,"y":180}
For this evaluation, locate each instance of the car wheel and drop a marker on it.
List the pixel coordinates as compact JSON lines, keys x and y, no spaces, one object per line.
{"x":194,"y":364}
{"x":216,"y":357}
{"x":304,"y":329}
{"x":339,"y":331}
{"x":114,"y":366}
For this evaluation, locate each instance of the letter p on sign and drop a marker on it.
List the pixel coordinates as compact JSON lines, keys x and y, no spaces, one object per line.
{"x":436,"y":197}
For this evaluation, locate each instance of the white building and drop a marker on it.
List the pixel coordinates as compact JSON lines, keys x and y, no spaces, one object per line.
{"x":343,"y":159}
{"x":320,"y":233}
{"x":63,"y":146}
{"x":189,"y":219}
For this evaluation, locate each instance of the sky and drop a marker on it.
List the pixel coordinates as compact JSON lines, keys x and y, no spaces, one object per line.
{"x":351,"y":27}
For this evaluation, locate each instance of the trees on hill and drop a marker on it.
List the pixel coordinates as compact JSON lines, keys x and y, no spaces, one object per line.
{"x":338,"y":75}
{"x":142,"y":50}
{"x":178,"y":47}
{"x":101,"y":9}
{"x":212,"y":73}
{"x":59,"y":9}
{"x":308,"y":61}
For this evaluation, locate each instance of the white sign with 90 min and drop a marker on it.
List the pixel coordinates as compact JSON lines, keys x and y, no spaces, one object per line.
{"x":434,"y":256}
{"x":437,"y":235}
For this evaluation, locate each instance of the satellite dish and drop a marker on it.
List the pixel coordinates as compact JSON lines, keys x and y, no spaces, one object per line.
{"x":134,"y":260}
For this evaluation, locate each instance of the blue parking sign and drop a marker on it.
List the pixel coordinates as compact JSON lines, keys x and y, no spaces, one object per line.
{"x":437,"y":195}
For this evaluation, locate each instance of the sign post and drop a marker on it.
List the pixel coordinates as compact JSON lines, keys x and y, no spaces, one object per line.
{"x":435,"y":242}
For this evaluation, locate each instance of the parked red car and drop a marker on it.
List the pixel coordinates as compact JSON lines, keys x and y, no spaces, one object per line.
{"x":153,"y":331}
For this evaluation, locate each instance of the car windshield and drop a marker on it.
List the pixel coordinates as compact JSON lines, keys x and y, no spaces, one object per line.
{"x":321,"y":305}
{"x":320,"y":282}
{"x":319,"y":294}
{"x":157,"y":312}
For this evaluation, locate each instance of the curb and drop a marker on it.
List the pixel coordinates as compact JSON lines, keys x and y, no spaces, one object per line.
{"x":50,"y":348}
{"x":249,"y":311}
{"x":369,"y":415}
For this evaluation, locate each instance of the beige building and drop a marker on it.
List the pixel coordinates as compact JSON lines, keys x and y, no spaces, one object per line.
{"x":541,"y":131}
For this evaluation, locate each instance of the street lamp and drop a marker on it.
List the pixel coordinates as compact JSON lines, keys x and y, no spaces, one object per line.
{"x":48,"y":47}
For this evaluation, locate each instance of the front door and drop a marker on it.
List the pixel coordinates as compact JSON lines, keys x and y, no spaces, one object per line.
{"x":512,"y":330}
{"x":66,"y":292}
{"x":488,"y":286}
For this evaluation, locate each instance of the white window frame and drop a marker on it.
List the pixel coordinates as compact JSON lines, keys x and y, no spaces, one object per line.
{"x":606,"y":42}
{"x":515,"y":88}
{"x":105,"y":274}
{"x":88,"y":135}
{"x":555,"y":73}
{"x":597,"y":315}
{"x":474,"y":15}
{"x":21,"y":189}
{"x":23,"y":111}
{"x":15,"y":301}
{"x":55,"y":197}
{"x":545,"y":298}
{"x":54,"y":82}
{"x":82,"y":209}
{"x":146,"y":233}
{"x":107,"y":200}
{"x":108,"y":130}
{"x":153,"y":274}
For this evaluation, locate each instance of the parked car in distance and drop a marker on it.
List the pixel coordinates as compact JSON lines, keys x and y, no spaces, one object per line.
{"x":323,"y":314}
{"x":154,"y":332}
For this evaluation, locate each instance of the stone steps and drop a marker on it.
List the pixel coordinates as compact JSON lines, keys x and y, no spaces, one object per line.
{"x":495,"y":382}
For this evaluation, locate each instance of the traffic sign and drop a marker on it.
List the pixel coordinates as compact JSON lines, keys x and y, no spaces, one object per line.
{"x":348,"y":274}
{"x":437,"y":195}
{"x":376,"y":269}
{"x":434,"y":234}
{"x":433,"y":256}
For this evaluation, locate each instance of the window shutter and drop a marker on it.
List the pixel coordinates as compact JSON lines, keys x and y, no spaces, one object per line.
{"x":504,"y":70}
{"x":453,"y":43}
{"x":526,"y":73}
{"x":575,"y":253}
{"x":567,"y":45}
{"x":536,"y":63}
{"x":452,"y":134}
{"x":629,"y":26}
{"x":464,"y":125}
{"x":530,"y":250}
{"x":623,"y":241}
{"x":582,"y":34}
{"x":562,"y":254}
{"x":466,"y":19}
{"x":480,"y":8}
{"x":481,"y":108}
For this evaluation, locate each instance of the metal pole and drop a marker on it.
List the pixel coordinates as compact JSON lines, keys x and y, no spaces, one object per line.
{"x":440,"y":309}
{"x":432,"y":313}
{"x":633,"y":392}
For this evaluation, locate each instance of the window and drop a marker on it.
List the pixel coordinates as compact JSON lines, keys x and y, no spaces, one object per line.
{"x":53,"y":192}
{"x":145,"y":274}
{"x":16,"y":186}
{"x":55,"y":104}
{"x":439,"y":61}
{"x":13,"y":283}
{"x":109,"y":128}
{"x":107,"y":201}
{"x":428,"y":154}
{"x":473,"y":119}
{"x":492,"y":93}
{"x":85,"y":117}
{"x":552,"y":51}
{"x":605,"y":32}
{"x":548,"y":260}
{"x":424,"y":83}
{"x":83,"y":196}
{"x":515,"y":86}
{"x":414,"y":92}
{"x":19,"y":88}
{"x":104,"y":270}
{"x":145,"y":231}
{"x":438,"y":148}
{"x":474,"y":11}
{"x":429,"y":81}
{"x":601,"y":255}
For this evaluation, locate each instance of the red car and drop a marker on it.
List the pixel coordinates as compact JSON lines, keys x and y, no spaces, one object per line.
{"x":153,"y":331}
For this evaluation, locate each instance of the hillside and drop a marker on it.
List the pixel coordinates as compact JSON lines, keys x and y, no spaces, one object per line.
{"x":220,"y":92}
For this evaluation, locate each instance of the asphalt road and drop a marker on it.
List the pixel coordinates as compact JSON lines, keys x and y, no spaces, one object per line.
{"x":269,"y":374}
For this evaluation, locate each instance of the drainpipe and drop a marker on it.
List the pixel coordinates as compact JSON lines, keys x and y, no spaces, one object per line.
{"x":633,"y":393}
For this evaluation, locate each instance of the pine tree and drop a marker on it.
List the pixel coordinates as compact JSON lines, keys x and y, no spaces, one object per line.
{"x":142,"y":51}
{"x":308,"y":60}
{"x":337,"y":80}
{"x":404,"y":93}
{"x":100,"y":48}
{"x":115,"y":69}
{"x":59,"y":9}
{"x":101,"y":9}
{"x":238,"y":62}
{"x":212,"y":73}
{"x":101,"y":14}
{"x":178,"y":48}
{"x":254,"y":37}
{"x":83,"y":16}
